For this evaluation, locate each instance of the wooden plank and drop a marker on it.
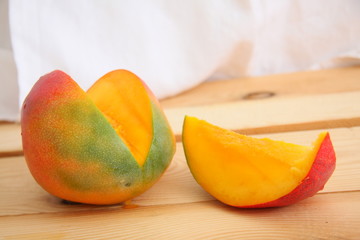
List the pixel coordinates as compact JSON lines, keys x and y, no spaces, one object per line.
{"x":10,"y":140}
{"x":325,"y":216}
{"x":20,"y":194}
{"x":296,"y":91}
{"x":252,"y":117}
{"x":277,"y":114}
{"x":281,"y":85}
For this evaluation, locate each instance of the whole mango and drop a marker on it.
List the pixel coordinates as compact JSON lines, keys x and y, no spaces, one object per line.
{"x":103,"y":146}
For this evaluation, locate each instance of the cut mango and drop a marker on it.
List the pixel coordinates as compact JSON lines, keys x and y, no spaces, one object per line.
{"x":245,"y":171}
{"x":124,"y":101}
{"x":104,"y":146}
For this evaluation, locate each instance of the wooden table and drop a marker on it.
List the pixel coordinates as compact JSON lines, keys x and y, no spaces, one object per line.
{"x":292,"y":107}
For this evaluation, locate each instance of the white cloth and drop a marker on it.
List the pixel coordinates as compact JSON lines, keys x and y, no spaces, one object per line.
{"x":175,"y":45}
{"x":9,"y":92}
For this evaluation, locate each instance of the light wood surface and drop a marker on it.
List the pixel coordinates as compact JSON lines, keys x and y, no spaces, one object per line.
{"x":177,"y":207}
{"x":10,"y":139}
{"x":177,"y":185}
{"x":325,"y":216}
{"x":281,"y":85}
{"x":276,"y":114}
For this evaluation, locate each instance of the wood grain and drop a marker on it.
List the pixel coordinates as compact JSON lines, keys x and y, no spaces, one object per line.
{"x":254,"y":117}
{"x":325,"y":216}
{"x":276,"y":115}
{"x":21,"y":195}
{"x":10,"y":140}
{"x":282,"y":85}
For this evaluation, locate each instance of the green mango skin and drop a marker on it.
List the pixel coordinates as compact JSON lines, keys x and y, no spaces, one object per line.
{"x":74,"y":153}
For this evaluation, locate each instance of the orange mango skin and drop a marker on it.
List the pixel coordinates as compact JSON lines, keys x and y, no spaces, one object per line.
{"x":320,"y":172}
{"x":73,"y":152}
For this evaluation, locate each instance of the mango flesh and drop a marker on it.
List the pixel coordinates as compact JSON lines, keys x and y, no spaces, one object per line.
{"x":110,"y":96}
{"x":102,"y":147}
{"x":248,"y":172}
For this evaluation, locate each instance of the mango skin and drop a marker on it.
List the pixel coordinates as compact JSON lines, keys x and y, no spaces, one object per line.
{"x":74,"y":153}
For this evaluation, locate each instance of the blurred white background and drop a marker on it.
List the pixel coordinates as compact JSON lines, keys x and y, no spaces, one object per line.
{"x":172,"y":45}
{"x":9,"y":92}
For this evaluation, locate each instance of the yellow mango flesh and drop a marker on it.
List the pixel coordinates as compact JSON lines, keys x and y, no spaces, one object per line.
{"x":241,"y":170}
{"x":129,"y":114}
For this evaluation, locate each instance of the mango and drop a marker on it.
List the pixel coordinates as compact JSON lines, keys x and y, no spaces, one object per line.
{"x":104,"y":146}
{"x":248,"y":172}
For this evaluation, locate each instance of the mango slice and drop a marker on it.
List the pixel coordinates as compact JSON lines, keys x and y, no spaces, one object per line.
{"x":244,"y":171}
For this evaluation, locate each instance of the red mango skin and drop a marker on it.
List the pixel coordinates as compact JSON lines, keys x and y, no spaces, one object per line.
{"x":57,"y":87}
{"x":320,"y":172}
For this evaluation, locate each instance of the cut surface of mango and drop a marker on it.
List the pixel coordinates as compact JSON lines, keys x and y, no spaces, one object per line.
{"x":123,"y":99}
